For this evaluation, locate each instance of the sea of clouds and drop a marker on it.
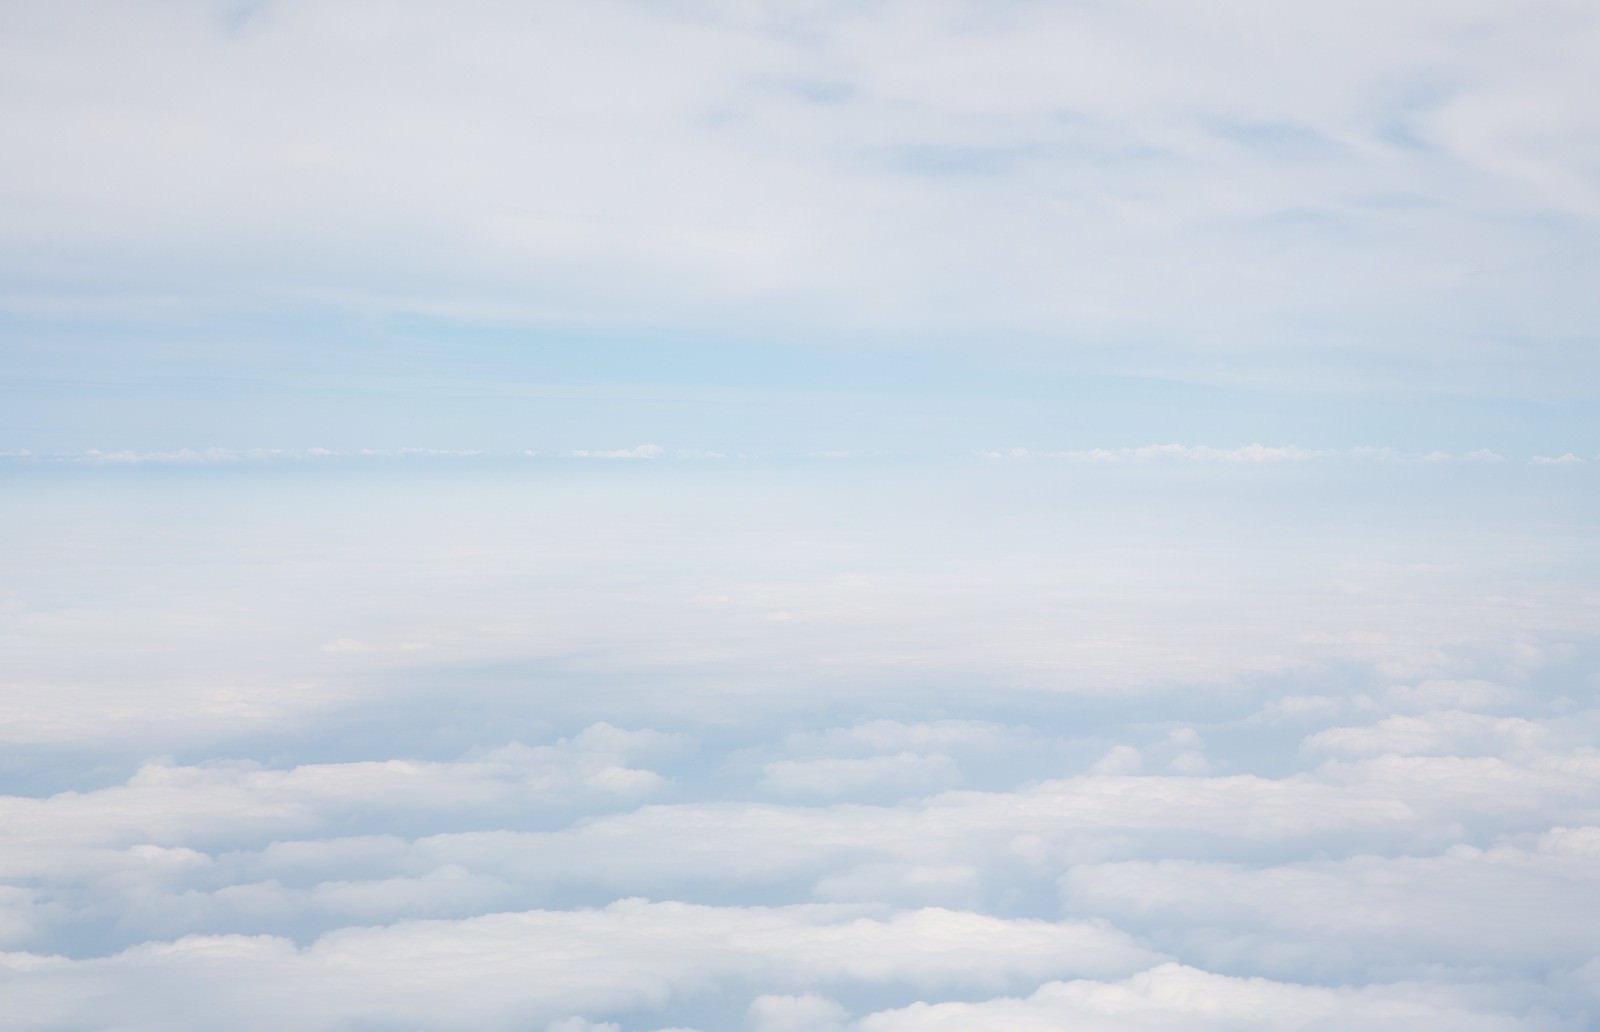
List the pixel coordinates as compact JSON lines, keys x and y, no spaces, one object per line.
{"x":799,"y":516}
{"x":582,"y":746}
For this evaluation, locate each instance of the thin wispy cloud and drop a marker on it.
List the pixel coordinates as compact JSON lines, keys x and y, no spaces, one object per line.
{"x":1251,"y":454}
{"x":1179,"y":185}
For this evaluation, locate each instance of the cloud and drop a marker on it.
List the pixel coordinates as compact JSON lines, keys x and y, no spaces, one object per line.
{"x":214,"y":456}
{"x":1500,"y":907}
{"x":1121,"y":760}
{"x":1245,"y":454}
{"x":243,"y":801}
{"x":196,"y":456}
{"x":1233,"y":733}
{"x":250,"y":850}
{"x":1174,"y":996}
{"x":214,"y":630}
{"x":545,"y":965}
{"x":729,"y":169}
{"x":1441,"y":732}
{"x":1193,"y":453}
{"x":970,"y":846}
{"x":643,"y":451}
{"x":805,"y":1013}
{"x":1250,"y":453}
{"x":1320,"y":739}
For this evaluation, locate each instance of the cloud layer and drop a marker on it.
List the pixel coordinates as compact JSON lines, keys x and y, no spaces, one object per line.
{"x":808,"y":748}
{"x":898,"y":515}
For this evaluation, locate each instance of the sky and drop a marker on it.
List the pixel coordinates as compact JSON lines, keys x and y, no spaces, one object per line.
{"x":799,"y":516}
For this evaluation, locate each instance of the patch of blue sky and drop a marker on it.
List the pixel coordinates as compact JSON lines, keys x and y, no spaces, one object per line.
{"x":323,"y":380}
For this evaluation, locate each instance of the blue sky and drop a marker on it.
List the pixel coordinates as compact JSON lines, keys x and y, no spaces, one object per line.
{"x":433,"y":383}
{"x":799,"y":516}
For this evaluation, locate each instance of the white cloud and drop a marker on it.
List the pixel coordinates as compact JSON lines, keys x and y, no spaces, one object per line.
{"x":580,"y":1025}
{"x":1176,"y":997}
{"x":1122,"y":759}
{"x":225,"y":848}
{"x":499,"y":969}
{"x":167,"y":804}
{"x":1254,"y":177}
{"x":805,"y":1013}
{"x":1190,"y":762}
{"x":1194,"y":453}
{"x":183,"y":455}
{"x":559,"y":571}
{"x":1440,"y":732}
{"x":1301,"y":708}
{"x":212,"y":456}
{"x":1502,"y":908}
{"x":643,"y":451}
{"x":1249,"y":454}
{"x":968,"y":847}
{"x":1175,"y":711}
